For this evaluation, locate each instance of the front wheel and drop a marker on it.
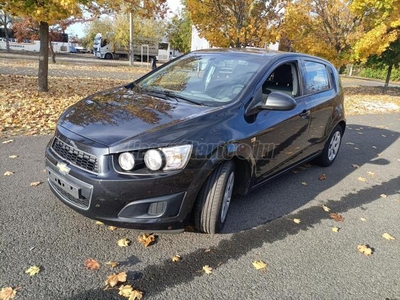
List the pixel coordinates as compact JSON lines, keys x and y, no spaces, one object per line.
{"x":213,"y":201}
{"x":331,"y":149}
{"x":108,"y":56}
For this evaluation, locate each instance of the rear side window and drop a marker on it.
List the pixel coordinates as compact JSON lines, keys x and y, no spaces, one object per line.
{"x":316,"y":77}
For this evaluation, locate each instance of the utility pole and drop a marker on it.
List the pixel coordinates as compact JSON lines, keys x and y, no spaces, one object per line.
{"x":131,"y":56}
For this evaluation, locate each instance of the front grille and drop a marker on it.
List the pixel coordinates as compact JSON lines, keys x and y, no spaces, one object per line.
{"x":82,"y":202}
{"x":75,"y":156}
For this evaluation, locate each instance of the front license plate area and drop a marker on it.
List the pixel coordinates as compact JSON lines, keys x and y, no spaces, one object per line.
{"x":66,"y":186}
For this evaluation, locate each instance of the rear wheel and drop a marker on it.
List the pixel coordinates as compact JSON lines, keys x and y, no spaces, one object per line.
{"x":215,"y":196}
{"x":331,"y":148}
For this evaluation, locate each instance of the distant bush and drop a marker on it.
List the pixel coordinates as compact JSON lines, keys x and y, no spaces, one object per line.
{"x":379,"y":73}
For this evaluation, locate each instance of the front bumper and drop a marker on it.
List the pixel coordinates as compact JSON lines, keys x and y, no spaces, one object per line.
{"x":160,"y":203}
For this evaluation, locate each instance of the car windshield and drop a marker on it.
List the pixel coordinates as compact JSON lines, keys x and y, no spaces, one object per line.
{"x":211,"y":79}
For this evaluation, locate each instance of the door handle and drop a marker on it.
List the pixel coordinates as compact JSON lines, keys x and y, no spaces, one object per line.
{"x":305,"y":114}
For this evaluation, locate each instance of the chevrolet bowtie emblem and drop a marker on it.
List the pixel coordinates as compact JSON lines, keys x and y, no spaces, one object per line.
{"x":62,"y":167}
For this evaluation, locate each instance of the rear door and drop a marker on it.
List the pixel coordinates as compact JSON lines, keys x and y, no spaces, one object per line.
{"x":320,"y":95}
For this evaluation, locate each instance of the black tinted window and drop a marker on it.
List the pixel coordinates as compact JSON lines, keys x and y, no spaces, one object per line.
{"x":316,"y":77}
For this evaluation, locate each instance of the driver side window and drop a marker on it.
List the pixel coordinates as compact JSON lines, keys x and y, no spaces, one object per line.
{"x":282,"y":79}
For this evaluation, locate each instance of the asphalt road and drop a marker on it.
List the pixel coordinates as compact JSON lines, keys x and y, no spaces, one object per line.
{"x":305,"y":261}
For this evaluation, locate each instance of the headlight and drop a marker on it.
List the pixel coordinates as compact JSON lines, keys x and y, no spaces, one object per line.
{"x":153,"y":159}
{"x":171,"y":158}
{"x":126,"y":161}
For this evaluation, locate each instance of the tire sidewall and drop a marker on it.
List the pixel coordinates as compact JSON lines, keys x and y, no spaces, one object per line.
{"x":324,"y":158}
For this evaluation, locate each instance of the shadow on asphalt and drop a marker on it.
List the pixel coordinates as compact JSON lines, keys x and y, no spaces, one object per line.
{"x":267,"y":205}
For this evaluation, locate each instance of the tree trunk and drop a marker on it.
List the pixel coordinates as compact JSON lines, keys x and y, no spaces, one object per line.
{"x":6,"y":34}
{"x":388,"y":78}
{"x":53,"y":54}
{"x":43,"y":57}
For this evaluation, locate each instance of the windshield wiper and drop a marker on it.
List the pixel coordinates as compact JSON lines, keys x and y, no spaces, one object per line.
{"x":178,"y":97}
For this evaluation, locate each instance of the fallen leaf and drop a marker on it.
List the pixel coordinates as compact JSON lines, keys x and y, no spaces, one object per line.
{"x":99,"y":223}
{"x":259,"y":264}
{"x":114,"y":279}
{"x":8,"y":173}
{"x":365,"y":249}
{"x":176,"y":258}
{"x":123,"y":242}
{"x":91,"y":264}
{"x":8,"y":293}
{"x":388,"y":236}
{"x":8,"y":141}
{"x":356,"y":148}
{"x":362,"y":179}
{"x":33,"y":270}
{"x":125,"y":291}
{"x":297,"y":221}
{"x":374,"y":147}
{"x":336,"y":217}
{"x":372,"y":174}
{"x":136,"y":295}
{"x":112,"y":228}
{"x":304,"y":183}
{"x":383,"y":196}
{"x":355,"y":166}
{"x":363,"y":219}
{"x":335,"y":229}
{"x":112,"y":264}
{"x":146,"y":239}
{"x":349,"y":143}
{"x":36,"y":183}
{"x":207,"y":250}
{"x":13,"y":156}
{"x":207,"y":269}
{"x":295,"y":171}
{"x":322,"y":177}
{"x":326,"y":208}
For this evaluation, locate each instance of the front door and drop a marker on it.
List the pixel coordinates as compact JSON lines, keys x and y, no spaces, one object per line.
{"x":282,"y":135}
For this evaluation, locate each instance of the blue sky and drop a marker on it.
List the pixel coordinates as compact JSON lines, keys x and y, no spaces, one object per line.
{"x":77,"y":29}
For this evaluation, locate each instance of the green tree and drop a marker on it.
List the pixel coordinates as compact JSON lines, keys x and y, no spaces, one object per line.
{"x":236,"y":23}
{"x":389,"y":58}
{"x":179,"y":32}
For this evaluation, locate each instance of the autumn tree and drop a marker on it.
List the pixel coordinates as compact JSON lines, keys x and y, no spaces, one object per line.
{"x":48,"y":12}
{"x":236,"y":23}
{"x":179,"y":31}
{"x":380,"y":22}
{"x":45,"y":12}
{"x":325,"y":28}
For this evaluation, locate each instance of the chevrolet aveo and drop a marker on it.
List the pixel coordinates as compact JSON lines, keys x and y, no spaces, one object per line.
{"x":173,"y":147}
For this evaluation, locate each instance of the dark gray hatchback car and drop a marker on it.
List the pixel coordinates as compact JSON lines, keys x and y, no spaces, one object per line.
{"x":174,"y":146}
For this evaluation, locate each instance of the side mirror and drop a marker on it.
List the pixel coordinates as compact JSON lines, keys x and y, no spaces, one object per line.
{"x":274,"y":101}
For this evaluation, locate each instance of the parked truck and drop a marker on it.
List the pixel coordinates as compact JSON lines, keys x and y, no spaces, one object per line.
{"x":144,"y":49}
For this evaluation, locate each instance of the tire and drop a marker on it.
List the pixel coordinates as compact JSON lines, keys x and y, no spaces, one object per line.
{"x":331,"y":148}
{"x":213,"y":201}
{"x":108,"y":56}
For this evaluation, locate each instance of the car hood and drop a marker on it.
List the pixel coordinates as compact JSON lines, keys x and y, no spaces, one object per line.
{"x":120,"y":115}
